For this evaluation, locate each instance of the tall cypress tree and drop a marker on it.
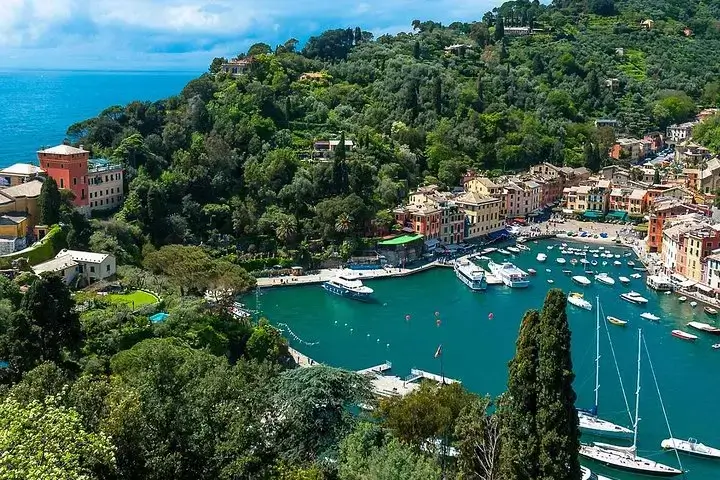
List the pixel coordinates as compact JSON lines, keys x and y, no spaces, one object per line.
{"x":416,"y":50}
{"x":556,"y":421}
{"x":437,"y":95}
{"x":499,"y":28}
{"x":49,"y":202}
{"x":340,"y":176}
{"x":520,"y":451}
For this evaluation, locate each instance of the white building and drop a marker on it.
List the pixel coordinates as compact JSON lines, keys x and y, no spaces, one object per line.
{"x":712,"y":270}
{"x":64,"y":266}
{"x":72,"y":264}
{"x":105,"y":184}
{"x":679,"y":132}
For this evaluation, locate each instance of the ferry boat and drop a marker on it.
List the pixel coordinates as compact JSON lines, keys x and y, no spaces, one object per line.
{"x":659,"y":283}
{"x":541,"y":257}
{"x":578,"y":300}
{"x":581,"y":280}
{"x":704,"y":327}
{"x":684,"y":335}
{"x":634,"y":297}
{"x":348,"y":287}
{"x":605,"y":278}
{"x":470,"y":274}
{"x":690,"y":446}
{"x":650,"y":316}
{"x":510,"y":275}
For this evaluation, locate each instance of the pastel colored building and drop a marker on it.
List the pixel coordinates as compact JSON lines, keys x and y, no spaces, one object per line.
{"x":22,"y":200}
{"x":68,"y":166}
{"x":19,"y":173}
{"x":77,"y":265}
{"x":105,"y":184}
{"x":482,"y":214}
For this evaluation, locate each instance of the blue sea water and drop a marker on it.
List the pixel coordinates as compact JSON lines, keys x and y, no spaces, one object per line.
{"x":37,"y":107}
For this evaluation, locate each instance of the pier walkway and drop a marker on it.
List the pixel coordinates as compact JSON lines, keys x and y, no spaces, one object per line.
{"x":382,"y":368}
{"x":417,"y":374}
{"x":327,"y":274}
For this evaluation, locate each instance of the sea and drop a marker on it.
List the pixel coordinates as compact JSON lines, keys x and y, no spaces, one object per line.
{"x":37,"y":107}
{"x":411,"y":316}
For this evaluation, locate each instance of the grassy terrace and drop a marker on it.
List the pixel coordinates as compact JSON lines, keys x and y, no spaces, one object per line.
{"x":135,"y":299}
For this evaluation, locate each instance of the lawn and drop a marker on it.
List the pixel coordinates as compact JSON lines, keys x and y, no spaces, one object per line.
{"x":134,"y":299}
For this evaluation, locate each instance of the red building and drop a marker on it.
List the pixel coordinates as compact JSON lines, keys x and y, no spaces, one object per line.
{"x":68,"y":166}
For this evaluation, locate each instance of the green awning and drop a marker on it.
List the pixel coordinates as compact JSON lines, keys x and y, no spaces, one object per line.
{"x":401,"y":240}
{"x":593,"y":214}
{"x":619,"y":214}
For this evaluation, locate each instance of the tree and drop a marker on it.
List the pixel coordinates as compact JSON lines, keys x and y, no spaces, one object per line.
{"x":49,"y":202}
{"x":656,"y":177}
{"x":499,"y":29}
{"x":437,"y":95}
{"x":416,"y":50}
{"x":538,"y":66}
{"x":557,"y":420}
{"x":593,"y":84}
{"x":216,"y":64}
{"x":43,"y":439}
{"x":478,"y":441}
{"x":266,"y":343}
{"x":343,"y":224}
{"x":520,"y":451}
{"x":340,"y":171}
{"x":672,"y":106}
{"x":357,"y":36}
{"x":591,"y":157}
{"x":259,"y":49}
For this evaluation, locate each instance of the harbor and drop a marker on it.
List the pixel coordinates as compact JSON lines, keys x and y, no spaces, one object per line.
{"x":409,"y":317}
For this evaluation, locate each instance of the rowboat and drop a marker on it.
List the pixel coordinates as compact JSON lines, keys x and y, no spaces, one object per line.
{"x":704,"y":327}
{"x":650,"y":316}
{"x":684,"y":335}
{"x":691,"y":446}
{"x":710,"y":311}
{"x":617,"y":321}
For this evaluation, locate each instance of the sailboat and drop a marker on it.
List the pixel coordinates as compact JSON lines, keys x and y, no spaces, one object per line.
{"x":625,"y":458}
{"x":589,"y":420}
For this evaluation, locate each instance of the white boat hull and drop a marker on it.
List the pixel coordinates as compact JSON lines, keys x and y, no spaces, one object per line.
{"x":626,"y":460}
{"x":690,"y":447}
{"x":597,"y":426}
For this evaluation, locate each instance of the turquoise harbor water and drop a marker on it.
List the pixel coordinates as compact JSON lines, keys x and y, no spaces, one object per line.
{"x":37,"y":107}
{"x":476,"y":350}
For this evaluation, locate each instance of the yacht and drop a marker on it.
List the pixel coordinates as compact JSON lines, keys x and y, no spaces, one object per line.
{"x":510,"y":275}
{"x":578,"y":300}
{"x":541,"y":257}
{"x":690,"y":446}
{"x":659,"y":283}
{"x":348,"y":287}
{"x":605,"y":278}
{"x":634,"y":297}
{"x":470,"y":274}
{"x":650,"y":316}
{"x":704,"y":327}
{"x":581,"y":280}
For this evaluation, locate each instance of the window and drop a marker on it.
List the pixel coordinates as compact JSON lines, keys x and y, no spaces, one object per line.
{"x":62,"y":183}
{"x":92,"y":269}
{"x":106,"y":178}
{"x":74,"y":180}
{"x":82,"y":194}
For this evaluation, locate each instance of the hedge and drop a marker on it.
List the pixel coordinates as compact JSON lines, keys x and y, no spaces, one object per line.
{"x":42,"y":250}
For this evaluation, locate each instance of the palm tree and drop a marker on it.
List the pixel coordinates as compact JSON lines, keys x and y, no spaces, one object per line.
{"x":285,"y":229}
{"x":343,"y":224}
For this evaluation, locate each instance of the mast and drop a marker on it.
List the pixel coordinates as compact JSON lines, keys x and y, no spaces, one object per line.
{"x":597,"y":355}
{"x":637,"y":393}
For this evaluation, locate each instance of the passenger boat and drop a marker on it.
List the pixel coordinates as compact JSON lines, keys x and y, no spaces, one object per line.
{"x":682,"y":299}
{"x":617,"y":321}
{"x":624,"y":279}
{"x":693,"y":304}
{"x":617,"y":263}
{"x":691,"y":446}
{"x":348,"y":287}
{"x":704,"y":327}
{"x":626,"y":458}
{"x":581,"y":280}
{"x":578,"y":300}
{"x":531,"y":271}
{"x":634,"y":297}
{"x":513,"y":249}
{"x":631,"y":263}
{"x":541,"y":257}
{"x":605,"y":278}
{"x":659,"y":283}
{"x":471,"y":275}
{"x":684,"y":335}
{"x":650,"y":316}
{"x":561,"y":260}
{"x":510,"y":275}
{"x":503,"y":251}
{"x":710,"y":311}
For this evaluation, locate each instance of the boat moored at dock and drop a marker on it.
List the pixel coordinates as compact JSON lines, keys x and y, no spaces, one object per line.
{"x":710,"y":311}
{"x":470,"y":274}
{"x":510,"y":275}
{"x":691,"y":446}
{"x":704,"y":327}
{"x":634,"y":297}
{"x":348,"y":287}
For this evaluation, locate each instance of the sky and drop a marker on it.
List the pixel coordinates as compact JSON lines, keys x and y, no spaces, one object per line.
{"x":186,"y":35}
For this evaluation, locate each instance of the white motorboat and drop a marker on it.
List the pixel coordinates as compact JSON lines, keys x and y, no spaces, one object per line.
{"x":691,"y":446}
{"x":605,"y":278}
{"x":561,"y":261}
{"x":551,"y":281}
{"x":693,"y":304}
{"x":594,"y":263}
{"x":348,"y":287}
{"x":601,"y":248}
{"x":510,"y":275}
{"x":503,"y":251}
{"x":550,"y":247}
{"x":617,"y":263}
{"x":634,"y":297}
{"x":595,"y":255}
{"x":624,"y":279}
{"x":531,"y":271}
{"x":584,"y":261}
{"x":567,"y":272}
{"x":547,"y":270}
{"x":631,"y":263}
{"x":588,"y":419}
{"x":626,"y":458}
{"x":574,"y":261}
{"x":513,"y":249}
{"x":581,"y":280}
{"x":578,"y":300}
{"x":470,"y":274}
{"x":541,"y":257}
{"x":682,"y":299}
{"x":604,"y":264}
{"x":522,"y":247}
{"x":650,"y":316}
{"x":704,"y":327}
{"x":617,"y":256}
{"x":636,"y":275}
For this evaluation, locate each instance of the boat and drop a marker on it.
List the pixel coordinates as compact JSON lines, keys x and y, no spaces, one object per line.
{"x":589,"y":421}
{"x":631,"y":263}
{"x":716,"y":346}
{"x":634,"y":297}
{"x":617,"y":256}
{"x":561,"y":260}
{"x":590,"y":272}
{"x":640,"y":269}
{"x":601,"y":248}
{"x":617,"y":321}
{"x":510,"y":275}
{"x":541,"y":257}
{"x":636,"y":275}
{"x":684,"y":335}
{"x":693,"y":304}
{"x":531,"y":271}
{"x":624,"y":279}
{"x":547,"y":270}
{"x":550,"y":280}
{"x":522,"y":247}
{"x":567,"y":272}
{"x":605,"y":278}
{"x":604,"y":263}
{"x":581,"y":280}
{"x":710,"y":311}
{"x":650,"y":316}
{"x":563,"y":245}
{"x":704,"y":327}
{"x":578,"y":300}
{"x":626,"y":458}
{"x":550,"y":247}
{"x":682,"y":299}
{"x":594,"y":263}
{"x":659,"y":283}
{"x":584,"y":261}
{"x":513,"y":249}
{"x":617,"y":263}
{"x":471,"y":275}
{"x":691,"y":446}
{"x":574,"y":261}
{"x":503,"y":251}
{"x":595,"y":255}
{"x":348,"y":287}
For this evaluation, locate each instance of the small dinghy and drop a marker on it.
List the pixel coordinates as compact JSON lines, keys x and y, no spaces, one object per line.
{"x":594,"y":263}
{"x":547,"y":270}
{"x":716,"y":346}
{"x":617,"y":321}
{"x":550,"y":280}
{"x":604,"y":264}
{"x":693,"y":304}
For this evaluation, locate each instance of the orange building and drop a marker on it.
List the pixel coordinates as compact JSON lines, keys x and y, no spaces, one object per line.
{"x":662,"y":209}
{"x":68,"y":166}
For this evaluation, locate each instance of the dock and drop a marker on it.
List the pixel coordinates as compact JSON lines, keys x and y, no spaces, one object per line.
{"x":301,"y":359}
{"x":392,"y":386}
{"x":417,"y":374}
{"x":382,"y":368}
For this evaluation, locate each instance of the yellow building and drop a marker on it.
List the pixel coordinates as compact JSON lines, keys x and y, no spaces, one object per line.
{"x":19,"y":173}
{"x":482,"y":214}
{"x":22,"y":200}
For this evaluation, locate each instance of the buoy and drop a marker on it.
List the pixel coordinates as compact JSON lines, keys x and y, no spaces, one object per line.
{"x":437,"y":314}
{"x":490,"y":316}
{"x":378,"y":340}
{"x":335,"y":322}
{"x":351,"y":330}
{"x":346,"y":324}
{"x":438,"y":322}
{"x":407,"y":318}
{"x":387,"y":346}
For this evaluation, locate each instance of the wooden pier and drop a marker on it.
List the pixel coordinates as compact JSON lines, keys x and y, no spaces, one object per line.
{"x":417,"y":374}
{"x":382,"y":368}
